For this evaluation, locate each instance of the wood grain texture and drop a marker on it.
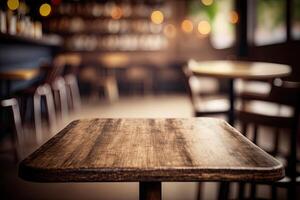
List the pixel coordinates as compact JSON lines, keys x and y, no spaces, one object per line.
{"x":193,"y":149}
{"x":240,"y":69}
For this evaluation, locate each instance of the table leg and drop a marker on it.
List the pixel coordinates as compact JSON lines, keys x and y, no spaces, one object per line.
{"x":150,"y":190}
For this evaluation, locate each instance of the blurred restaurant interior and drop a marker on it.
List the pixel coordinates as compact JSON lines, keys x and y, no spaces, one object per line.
{"x":62,"y":60}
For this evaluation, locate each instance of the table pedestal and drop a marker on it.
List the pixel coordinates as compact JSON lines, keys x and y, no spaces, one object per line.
{"x":150,"y":190}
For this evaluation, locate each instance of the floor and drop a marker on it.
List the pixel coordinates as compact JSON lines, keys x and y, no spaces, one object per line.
{"x":151,"y":107}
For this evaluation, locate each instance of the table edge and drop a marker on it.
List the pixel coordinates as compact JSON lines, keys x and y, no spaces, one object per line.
{"x":155,"y":174}
{"x":40,"y":174}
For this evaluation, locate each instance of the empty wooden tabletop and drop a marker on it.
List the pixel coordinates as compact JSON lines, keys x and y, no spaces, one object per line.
{"x":239,"y":69}
{"x":192,"y":149}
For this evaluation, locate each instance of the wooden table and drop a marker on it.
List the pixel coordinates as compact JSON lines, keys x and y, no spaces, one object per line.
{"x":239,"y":69}
{"x":149,"y":151}
{"x":15,"y":75}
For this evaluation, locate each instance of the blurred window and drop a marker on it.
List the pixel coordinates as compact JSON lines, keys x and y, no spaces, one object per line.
{"x":270,"y":22}
{"x":296,"y":19}
{"x":216,"y":18}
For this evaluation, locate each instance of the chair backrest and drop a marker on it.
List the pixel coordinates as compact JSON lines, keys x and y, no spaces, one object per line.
{"x":282,"y":93}
{"x":286,"y":93}
{"x":54,"y":70}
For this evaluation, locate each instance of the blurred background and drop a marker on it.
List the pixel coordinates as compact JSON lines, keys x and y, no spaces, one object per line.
{"x":124,"y":58}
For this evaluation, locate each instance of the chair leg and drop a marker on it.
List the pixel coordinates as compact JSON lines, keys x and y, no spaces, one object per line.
{"x":111,"y":89}
{"x":59,"y":88}
{"x":255,"y":130}
{"x":276,"y":141}
{"x":17,"y":135}
{"x":37,"y":117}
{"x":50,"y":108}
{"x":71,"y":81}
{"x":43,"y":90}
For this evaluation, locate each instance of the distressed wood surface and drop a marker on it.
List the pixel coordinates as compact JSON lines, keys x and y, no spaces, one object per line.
{"x":193,"y":149}
{"x":240,"y":69}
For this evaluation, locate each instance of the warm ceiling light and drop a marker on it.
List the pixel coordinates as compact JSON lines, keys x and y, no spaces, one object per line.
{"x":116,"y":12}
{"x":13,"y":4}
{"x":207,"y":2}
{"x":187,"y":26}
{"x":170,"y":30}
{"x":157,"y":17}
{"x":234,"y":17}
{"x":45,"y":9}
{"x":204,"y":27}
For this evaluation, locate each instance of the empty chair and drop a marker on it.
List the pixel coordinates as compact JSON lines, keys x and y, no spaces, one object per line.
{"x":286,"y":96}
{"x":32,"y":97}
{"x":43,"y":91}
{"x":17,"y":136}
{"x":60,"y":97}
{"x":204,"y":102}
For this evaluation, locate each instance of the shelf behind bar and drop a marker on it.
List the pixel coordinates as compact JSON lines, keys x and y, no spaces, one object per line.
{"x":9,"y":39}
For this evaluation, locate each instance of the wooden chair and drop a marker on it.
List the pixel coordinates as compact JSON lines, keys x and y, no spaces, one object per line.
{"x":204,"y":103}
{"x":17,"y":136}
{"x":283,"y":94}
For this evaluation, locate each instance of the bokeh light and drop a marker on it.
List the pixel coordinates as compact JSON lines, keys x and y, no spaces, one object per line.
{"x":45,"y":9}
{"x":207,"y":2}
{"x":204,"y":27}
{"x":116,"y":12}
{"x":157,"y":17}
{"x":187,"y":26}
{"x":13,"y":4}
{"x":234,"y":17}
{"x":170,"y":31}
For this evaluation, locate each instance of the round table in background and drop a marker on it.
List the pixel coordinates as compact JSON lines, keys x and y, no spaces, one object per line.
{"x":232,"y":70}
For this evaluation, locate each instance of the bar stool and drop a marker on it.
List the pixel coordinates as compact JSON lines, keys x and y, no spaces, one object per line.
{"x":72,"y":65}
{"x":43,"y":90}
{"x":73,"y":94}
{"x":60,"y":97}
{"x":17,"y":136}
